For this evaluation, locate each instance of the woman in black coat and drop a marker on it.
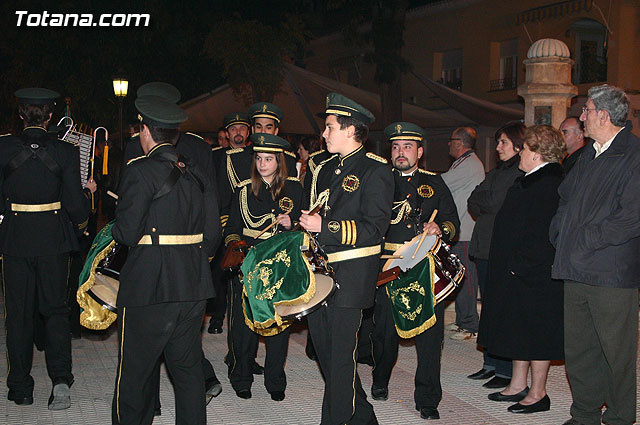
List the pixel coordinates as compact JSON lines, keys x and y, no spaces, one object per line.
{"x":484,"y":203}
{"x":523,"y":316}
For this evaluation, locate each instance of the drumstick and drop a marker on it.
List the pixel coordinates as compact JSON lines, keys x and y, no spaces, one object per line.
{"x":267,"y":228}
{"x":424,"y":235}
{"x":113,"y":195}
{"x":391,"y":257}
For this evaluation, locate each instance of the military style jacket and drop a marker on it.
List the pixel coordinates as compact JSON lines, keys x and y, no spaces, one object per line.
{"x":356,"y":192}
{"x":415,"y":197}
{"x":250,"y":214}
{"x":170,"y":235}
{"x":42,"y":199}
{"x":238,"y":169}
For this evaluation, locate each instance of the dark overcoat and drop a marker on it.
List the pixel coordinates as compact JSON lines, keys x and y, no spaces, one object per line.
{"x":522,"y":311}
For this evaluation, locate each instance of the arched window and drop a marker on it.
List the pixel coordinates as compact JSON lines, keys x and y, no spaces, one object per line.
{"x":590,"y":51}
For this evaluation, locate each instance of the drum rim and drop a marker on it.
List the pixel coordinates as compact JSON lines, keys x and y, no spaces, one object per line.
{"x":101,"y":302}
{"x":306,"y":312}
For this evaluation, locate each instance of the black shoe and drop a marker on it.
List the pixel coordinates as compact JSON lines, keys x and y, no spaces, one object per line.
{"x":497,"y":382}
{"x":541,"y":405}
{"x":379,"y":393}
{"x":212,"y":389}
{"x":429,"y":413}
{"x":243,"y":394}
{"x":256,"y":369}
{"x":20,"y":401}
{"x":514,"y":397}
{"x":157,"y":412}
{"x":215,"y":327}
{"x":482,"y":374}
{"x":277,"y":395}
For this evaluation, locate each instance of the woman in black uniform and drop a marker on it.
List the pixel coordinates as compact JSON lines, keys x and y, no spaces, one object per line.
{"x":269,"y":196}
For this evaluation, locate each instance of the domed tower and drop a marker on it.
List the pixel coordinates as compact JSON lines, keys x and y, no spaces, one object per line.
{"x":547,"y":91}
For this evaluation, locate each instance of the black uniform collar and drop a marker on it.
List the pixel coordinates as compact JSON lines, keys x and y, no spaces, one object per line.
{"x":351,"y":156}
{"x":34,"y":131}
{"x":159,"y":148}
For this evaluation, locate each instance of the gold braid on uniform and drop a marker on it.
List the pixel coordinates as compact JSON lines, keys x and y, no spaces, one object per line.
{"x":249,"y":218}
{"x":404,"y":209}
{"x":322,"y":200}
{"x":314,"y":180}
{"x":231,"y":174}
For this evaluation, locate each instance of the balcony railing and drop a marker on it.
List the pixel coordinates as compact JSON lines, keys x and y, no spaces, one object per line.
{"x":503,"y":84}
{"x":452,"y":84}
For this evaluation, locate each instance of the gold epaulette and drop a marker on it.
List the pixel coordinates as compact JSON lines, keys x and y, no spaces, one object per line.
{"x":215,"y":148}
{"x":376,"y":158}
{"x":294,"y":179}
{"x":316,"y":153}
{"x":431,"y":173}
{"x":236,"y":150}
{"x":290,"y":154}
{"x":196,"y":135}
{"x":244,"y":182}
{"x":135,"y":159}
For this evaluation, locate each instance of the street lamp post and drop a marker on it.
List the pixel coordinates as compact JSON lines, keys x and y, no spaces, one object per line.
{"x":120,"y":88}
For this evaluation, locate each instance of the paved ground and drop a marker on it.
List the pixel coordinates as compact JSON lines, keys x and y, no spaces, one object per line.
{"x":94,"y":366}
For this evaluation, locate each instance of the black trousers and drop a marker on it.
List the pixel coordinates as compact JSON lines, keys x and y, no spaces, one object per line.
{"x":208,"y":374}
{"x":243,"y":345}
{"x":30,"y":283}
{"x":146,"y":333}
{"x":428,"y":391}
{"x":217,"y":305}
{"x":334,"y":331}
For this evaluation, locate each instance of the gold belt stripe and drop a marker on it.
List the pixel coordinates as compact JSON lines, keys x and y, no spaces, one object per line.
{"x":351,"y":254}
{"x":172,"y":239}
{"x":36,"y":207}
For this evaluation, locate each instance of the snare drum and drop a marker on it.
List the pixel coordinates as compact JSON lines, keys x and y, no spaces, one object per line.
{"x":325,"y":285}
{"x":107,"y":278}
{"x":449,"y":270}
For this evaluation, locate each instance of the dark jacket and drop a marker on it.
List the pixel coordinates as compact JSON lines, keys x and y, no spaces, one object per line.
{"x":164,"y":273}
{"x":522,"y":308}
{"x":424,"y":191}
{"x":570,"y":161}
{"x":485,"y":201}
{"x":357,"y":216}
{"x":249,"y":213}
{"x":597,"y":228}
{"x":32,"y":234}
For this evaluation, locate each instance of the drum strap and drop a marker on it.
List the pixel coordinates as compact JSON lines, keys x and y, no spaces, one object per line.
{"x":29,"y":149}
{"x":179,"y":169}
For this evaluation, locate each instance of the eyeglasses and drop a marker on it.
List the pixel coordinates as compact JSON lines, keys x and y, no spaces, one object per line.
{"x":586,"y":110}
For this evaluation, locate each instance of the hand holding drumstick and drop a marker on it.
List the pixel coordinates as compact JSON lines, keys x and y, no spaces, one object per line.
{"x":429,"y":225}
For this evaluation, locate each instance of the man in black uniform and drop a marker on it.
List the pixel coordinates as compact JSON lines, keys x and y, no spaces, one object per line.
{"x":355,"y":189}
{"x":196,"y":152}
{"x":167,"y":215}
{"x":417,"y":194}
{"x":42,"y":201}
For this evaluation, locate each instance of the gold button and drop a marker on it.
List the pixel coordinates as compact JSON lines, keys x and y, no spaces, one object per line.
{"x":338,"y":171}
{"x":55,"y":212}
{"x":409,"y":226}
{"x":15,"y":213}
{"x":153,"y":229}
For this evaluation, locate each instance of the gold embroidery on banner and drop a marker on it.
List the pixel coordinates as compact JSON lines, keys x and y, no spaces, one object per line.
{"x":425,"y":191}
{"x":350,"y":183}
{"x":264,"y":273}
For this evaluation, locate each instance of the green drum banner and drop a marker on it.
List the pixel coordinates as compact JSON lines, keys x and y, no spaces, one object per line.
{"x":412,"y":299}
{"x":275,"y":272}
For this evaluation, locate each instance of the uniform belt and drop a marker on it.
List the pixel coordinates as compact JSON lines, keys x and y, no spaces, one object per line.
{"x":172,"y":239}
{"x":388,"y":246}
{"x":254,"y":234}
{"x":351,"y":254}
{"x":36,"y":207}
